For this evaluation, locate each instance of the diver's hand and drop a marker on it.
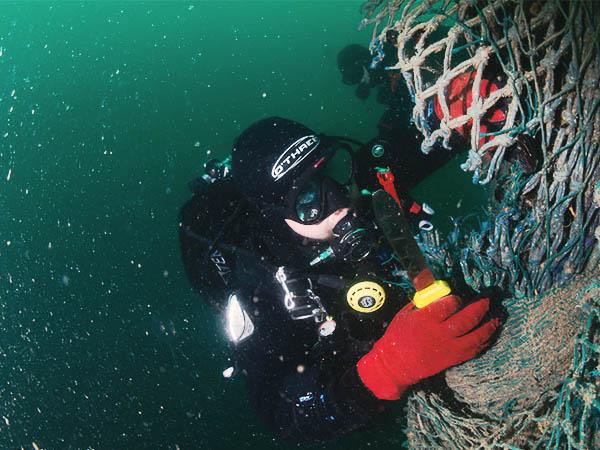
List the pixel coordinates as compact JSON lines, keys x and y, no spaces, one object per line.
{"x":419,"y":343}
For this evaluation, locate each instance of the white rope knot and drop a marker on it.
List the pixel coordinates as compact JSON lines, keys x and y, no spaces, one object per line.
{"x":473,"y":161}
{"x":444,"y":128}
{"x":476,"y":109}
{"x":419,"y":108}
{"x":481,"y":56}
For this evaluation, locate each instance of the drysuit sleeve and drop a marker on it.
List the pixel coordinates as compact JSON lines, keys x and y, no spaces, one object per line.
{"x":305,"y":389}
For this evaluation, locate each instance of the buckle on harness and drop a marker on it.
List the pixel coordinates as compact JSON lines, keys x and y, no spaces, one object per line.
{"x":300,"y":301}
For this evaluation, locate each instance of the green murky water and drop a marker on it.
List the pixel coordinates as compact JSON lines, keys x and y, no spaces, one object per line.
{"x":107,"y":109}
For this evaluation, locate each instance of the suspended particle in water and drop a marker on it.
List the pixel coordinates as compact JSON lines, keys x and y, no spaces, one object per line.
{"x":228,"y":372}
{"x":197,"y":144}
{"x":264,"y":95}
{"x":9,"y":174}
{"x":300,"y":368}
{"x":65,"y":280}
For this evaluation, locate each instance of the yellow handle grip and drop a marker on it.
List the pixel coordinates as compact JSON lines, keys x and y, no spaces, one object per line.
{"x":433,"y":292}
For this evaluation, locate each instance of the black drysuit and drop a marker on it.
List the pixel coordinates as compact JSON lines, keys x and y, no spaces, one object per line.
{"x":305,"y":385}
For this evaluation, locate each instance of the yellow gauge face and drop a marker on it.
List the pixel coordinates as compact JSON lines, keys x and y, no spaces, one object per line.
{"x":365,"y":297}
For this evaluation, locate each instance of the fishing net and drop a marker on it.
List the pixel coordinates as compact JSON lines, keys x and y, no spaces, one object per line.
{"x":535,"y":66}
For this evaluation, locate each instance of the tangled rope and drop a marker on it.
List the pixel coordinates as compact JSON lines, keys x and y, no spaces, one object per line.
{"x":548,"y":59}
{"x":542,"y":228}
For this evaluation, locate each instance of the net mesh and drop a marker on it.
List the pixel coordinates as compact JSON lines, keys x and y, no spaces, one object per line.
{"x":537,"y":387}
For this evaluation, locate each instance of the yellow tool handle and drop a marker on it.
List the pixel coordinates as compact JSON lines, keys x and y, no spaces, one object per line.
{"x":433,"y":292}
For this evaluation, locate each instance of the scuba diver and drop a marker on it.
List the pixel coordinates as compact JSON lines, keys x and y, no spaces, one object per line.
{"x":397,"y":137}
{"x":285,"y":246}
{"x":358,"y":67}
{"x":353,"y":63}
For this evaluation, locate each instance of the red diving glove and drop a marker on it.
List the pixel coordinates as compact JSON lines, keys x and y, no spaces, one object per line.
{"x":420,"y":343}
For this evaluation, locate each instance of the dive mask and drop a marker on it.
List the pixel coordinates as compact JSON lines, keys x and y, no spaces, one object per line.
{"x":323,"y":188}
